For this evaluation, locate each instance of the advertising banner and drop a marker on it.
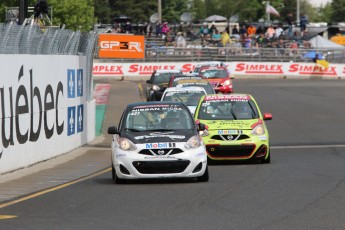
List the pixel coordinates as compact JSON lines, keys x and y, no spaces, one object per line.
{"x":237,"y":69}
{"x":121,"y":46}
{"x":43,"y":108}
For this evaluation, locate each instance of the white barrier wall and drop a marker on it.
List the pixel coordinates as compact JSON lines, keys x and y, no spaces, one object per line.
{"x":238,"y":69}
{"x":43,"y":108}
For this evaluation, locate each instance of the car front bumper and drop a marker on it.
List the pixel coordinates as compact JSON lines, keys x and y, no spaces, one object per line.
{"x":132,"y":165}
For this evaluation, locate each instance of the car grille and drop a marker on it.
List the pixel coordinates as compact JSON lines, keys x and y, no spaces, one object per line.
{"x":230,"y":137}
{"x":230,"y":151}
{"x":161,"y":167}
{"x":214,"y":84}
{"x":160,"y":152}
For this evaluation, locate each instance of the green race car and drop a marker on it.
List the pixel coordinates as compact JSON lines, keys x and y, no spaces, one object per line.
{"x":235,"y":128}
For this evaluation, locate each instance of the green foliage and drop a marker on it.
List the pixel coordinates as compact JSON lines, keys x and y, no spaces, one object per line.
{"x":82,"y":14}
{"x":76,"y":14}
{"x":338,"y":7}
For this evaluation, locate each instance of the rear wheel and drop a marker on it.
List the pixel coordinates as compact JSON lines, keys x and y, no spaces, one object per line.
{"x":204,"y":177}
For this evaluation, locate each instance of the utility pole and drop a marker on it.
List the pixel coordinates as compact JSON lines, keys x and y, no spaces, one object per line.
{"x":268,"y":14}
{"x":297,"y":12}
{"x":160,"y":11}
{"x":23,"y":11}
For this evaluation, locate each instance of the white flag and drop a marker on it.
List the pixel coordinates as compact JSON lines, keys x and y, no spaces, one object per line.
{"x":271,"y":10}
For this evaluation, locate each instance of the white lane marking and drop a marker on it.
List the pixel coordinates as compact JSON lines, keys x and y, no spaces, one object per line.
{"x":307,"y":146}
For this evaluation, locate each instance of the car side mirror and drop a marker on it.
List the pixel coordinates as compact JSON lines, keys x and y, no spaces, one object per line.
{"x":201,"y":127}
{"x":267,"y":116}
{"x":113,"y":130}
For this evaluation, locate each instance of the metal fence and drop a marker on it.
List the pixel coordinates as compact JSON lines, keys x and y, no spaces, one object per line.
{"x":229,"y":54}
{"x":29,"y":38}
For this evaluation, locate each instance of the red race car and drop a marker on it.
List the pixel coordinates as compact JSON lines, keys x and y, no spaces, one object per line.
{"x":219,"y":77}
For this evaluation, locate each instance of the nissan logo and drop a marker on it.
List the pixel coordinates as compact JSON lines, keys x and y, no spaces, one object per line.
{"x":161,"y":152}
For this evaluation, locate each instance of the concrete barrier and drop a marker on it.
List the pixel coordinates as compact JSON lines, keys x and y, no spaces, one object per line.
{"x":43,"y":108}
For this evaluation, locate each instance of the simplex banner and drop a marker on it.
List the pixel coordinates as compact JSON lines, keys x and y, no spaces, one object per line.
{"x":43,"y":108}
{"x":238,"y":69}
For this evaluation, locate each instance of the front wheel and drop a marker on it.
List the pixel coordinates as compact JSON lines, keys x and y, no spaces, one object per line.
{"x":204,"y":177}
{"x":268,"y":159}
{"x":116,"y":178}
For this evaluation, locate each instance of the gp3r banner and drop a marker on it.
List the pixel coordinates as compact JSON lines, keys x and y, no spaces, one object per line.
{"x":121,"y":46}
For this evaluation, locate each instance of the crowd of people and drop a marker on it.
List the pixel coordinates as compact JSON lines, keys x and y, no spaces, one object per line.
{"x":235,"y":40}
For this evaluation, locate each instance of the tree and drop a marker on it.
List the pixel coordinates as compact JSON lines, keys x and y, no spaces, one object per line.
{"x":338,"y":7}
{"x":75,"y":15}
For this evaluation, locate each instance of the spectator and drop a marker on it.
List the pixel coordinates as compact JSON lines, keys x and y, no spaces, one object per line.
{"x":165,"y":30}
{"x":251,"y":31}
{"x":303,"y":23}
{"x":128,"y":28}
{"x":270,"y":32}
{"x":289,"y":21}
{"x":212,"y":29}
{"x":204,"y":30}
{"x":280,"y":48}
{"x":158,"y":29}
{"x":294,"y":48}
{"x":149,"y":30}
{"x":243,"y":31}
{"x":235,"y":32}
{"x":225,"y":38}
{"x":279,"y":31}
{"x":169,"y":39}
{"x":216,"y":37}
{"x":180,"y":40}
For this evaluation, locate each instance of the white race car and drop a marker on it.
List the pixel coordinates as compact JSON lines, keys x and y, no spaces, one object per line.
{"x":158,"y":140}
{"x":190,"y":96}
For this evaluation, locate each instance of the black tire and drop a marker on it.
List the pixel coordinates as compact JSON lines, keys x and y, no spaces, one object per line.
{"x":116,"y":178}
{"x":268,"y":160}
{"x":204,"y":177}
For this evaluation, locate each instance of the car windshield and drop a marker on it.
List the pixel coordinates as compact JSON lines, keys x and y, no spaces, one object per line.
{"x":228,"y":110}
{"x":214,"y":73}
{"x":189,"y":98}
{"x":160,"y":117}
{"x":207,"y":86}
{"x":162,"y":78}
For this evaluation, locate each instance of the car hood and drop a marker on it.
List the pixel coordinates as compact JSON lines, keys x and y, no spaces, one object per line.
{"x":229,"y":124}
{"x":159,"y":136}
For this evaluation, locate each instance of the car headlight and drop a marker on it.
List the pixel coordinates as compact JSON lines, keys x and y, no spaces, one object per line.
{"x":258,"y":130}
{"x":126,"y":144}
{"x":193,"y":142}
{"x":155,"y":88}
{"x":227,"y":82}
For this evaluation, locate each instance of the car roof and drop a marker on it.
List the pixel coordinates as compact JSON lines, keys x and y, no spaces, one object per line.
{"x":190,"y":88}
{"x":210,"y":63}
{"x":168,"y":71}
{"x":234,"y":96}
{"x":212,"y":67}
{"x":131,"y":105}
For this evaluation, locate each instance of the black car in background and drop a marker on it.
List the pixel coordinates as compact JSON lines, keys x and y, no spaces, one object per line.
{"x":158,"y":82}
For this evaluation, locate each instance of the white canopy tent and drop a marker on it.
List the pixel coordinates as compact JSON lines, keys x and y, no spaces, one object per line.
{"x":320,"y":42}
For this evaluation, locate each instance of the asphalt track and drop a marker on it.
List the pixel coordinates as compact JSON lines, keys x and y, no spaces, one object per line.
{"x":302,"y":188}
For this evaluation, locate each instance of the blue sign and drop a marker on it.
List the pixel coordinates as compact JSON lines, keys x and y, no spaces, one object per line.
{"x":71,"y":83}
{"x":80,"y":82}
{"x":71,"y":121}
{"x":80,"y":118}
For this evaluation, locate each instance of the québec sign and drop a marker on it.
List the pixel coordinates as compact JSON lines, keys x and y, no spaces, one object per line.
{"x":29,"y":110}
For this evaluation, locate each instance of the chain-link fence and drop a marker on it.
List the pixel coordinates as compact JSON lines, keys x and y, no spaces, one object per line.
{"x":29,"y":38}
